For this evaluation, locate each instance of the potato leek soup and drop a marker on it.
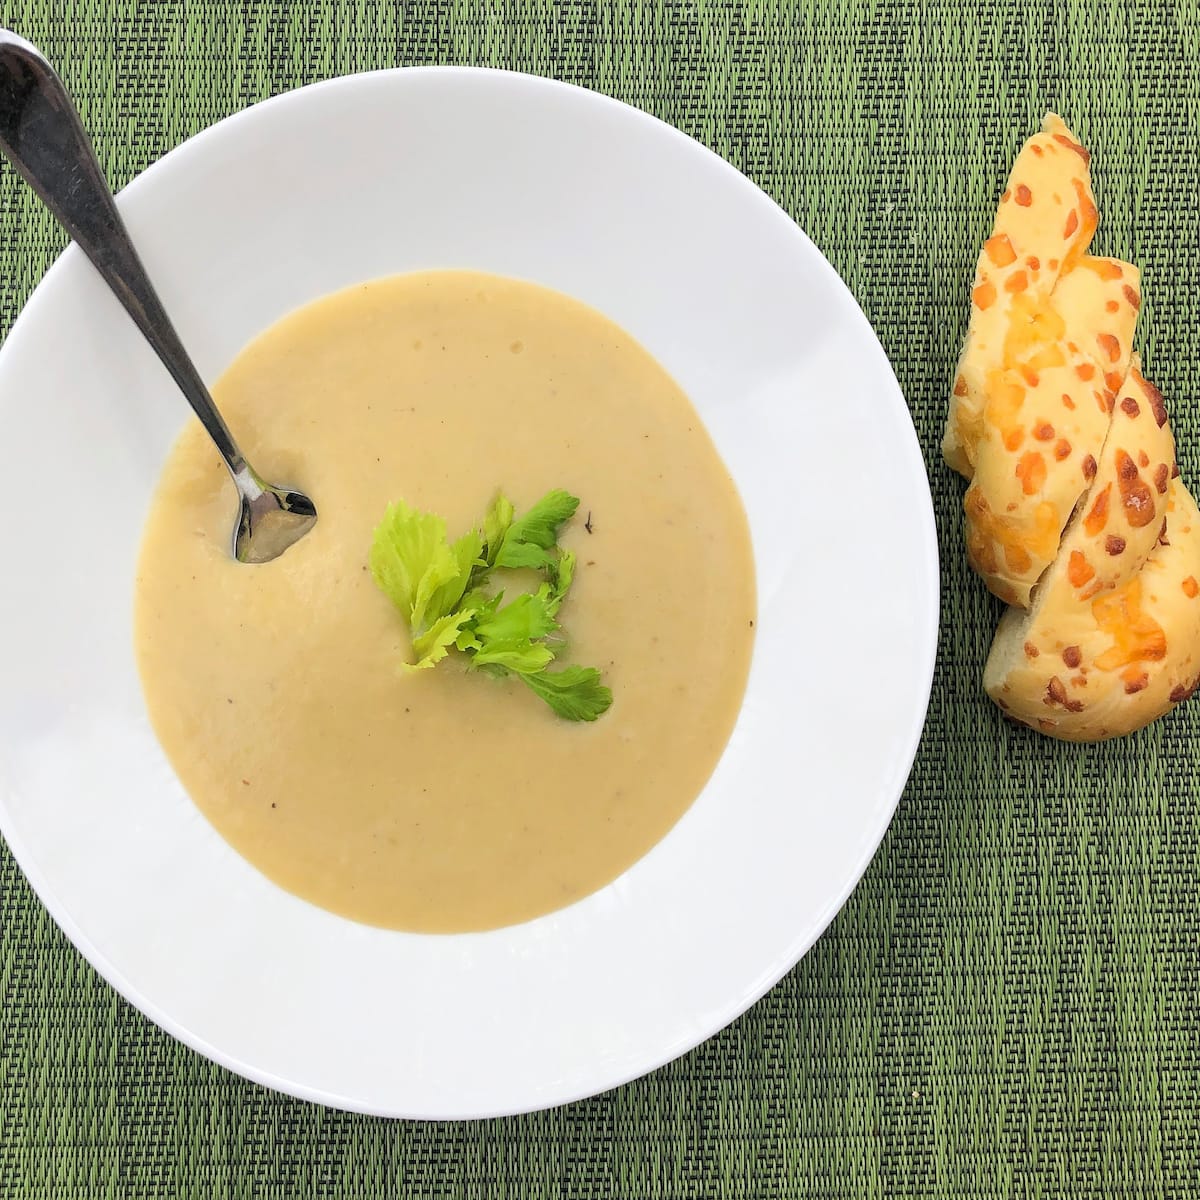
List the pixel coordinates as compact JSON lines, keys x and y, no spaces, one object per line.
{"x":446,"y":423}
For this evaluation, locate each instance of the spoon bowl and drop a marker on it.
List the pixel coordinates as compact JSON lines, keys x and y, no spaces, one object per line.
{"x":270,"y":519}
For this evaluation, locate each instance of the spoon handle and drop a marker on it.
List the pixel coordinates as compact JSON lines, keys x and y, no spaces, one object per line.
{"x":41,"y":133}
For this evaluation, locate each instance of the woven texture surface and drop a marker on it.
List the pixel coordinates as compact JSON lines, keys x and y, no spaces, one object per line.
{"x":1008,"y":1005}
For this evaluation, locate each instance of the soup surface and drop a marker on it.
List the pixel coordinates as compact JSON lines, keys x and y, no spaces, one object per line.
{"x":444,"y":800}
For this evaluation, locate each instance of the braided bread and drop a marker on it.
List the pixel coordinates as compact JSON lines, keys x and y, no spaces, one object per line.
{"x":1075,"y":516}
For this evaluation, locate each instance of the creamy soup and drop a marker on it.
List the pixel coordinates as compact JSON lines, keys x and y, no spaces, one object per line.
{"x":445,"y":800}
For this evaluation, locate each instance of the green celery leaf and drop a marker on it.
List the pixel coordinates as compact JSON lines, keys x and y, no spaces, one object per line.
{"x":465,"y":553}
{"x":411,"y":561}
{"x":536,"y":530}
{"x":521,"y":657}
{"x":482,"y":606}
{"x":518,"y":555}
{"x":560,"y":584}
{"x":434,"y":644}
{"x":508,"y":636}
{"x":575,"y":693}
{"x":524,"y":618}
{"x":406,"y":547}
{"x":495,"y":526}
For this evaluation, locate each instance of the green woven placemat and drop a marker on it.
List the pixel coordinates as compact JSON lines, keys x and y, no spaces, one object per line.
{"x":1008,"y":1004}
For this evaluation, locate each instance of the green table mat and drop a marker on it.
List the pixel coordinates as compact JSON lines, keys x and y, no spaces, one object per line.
{"x":1007,"y":1006}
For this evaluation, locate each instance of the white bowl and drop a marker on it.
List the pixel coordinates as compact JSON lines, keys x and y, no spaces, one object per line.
{"x":368,"y":176}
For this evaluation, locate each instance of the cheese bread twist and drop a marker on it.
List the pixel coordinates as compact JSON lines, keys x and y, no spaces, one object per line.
{"x":1075,"y":515}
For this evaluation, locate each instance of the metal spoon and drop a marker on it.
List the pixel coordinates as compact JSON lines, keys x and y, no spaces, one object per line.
{"x":41,"y":133}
